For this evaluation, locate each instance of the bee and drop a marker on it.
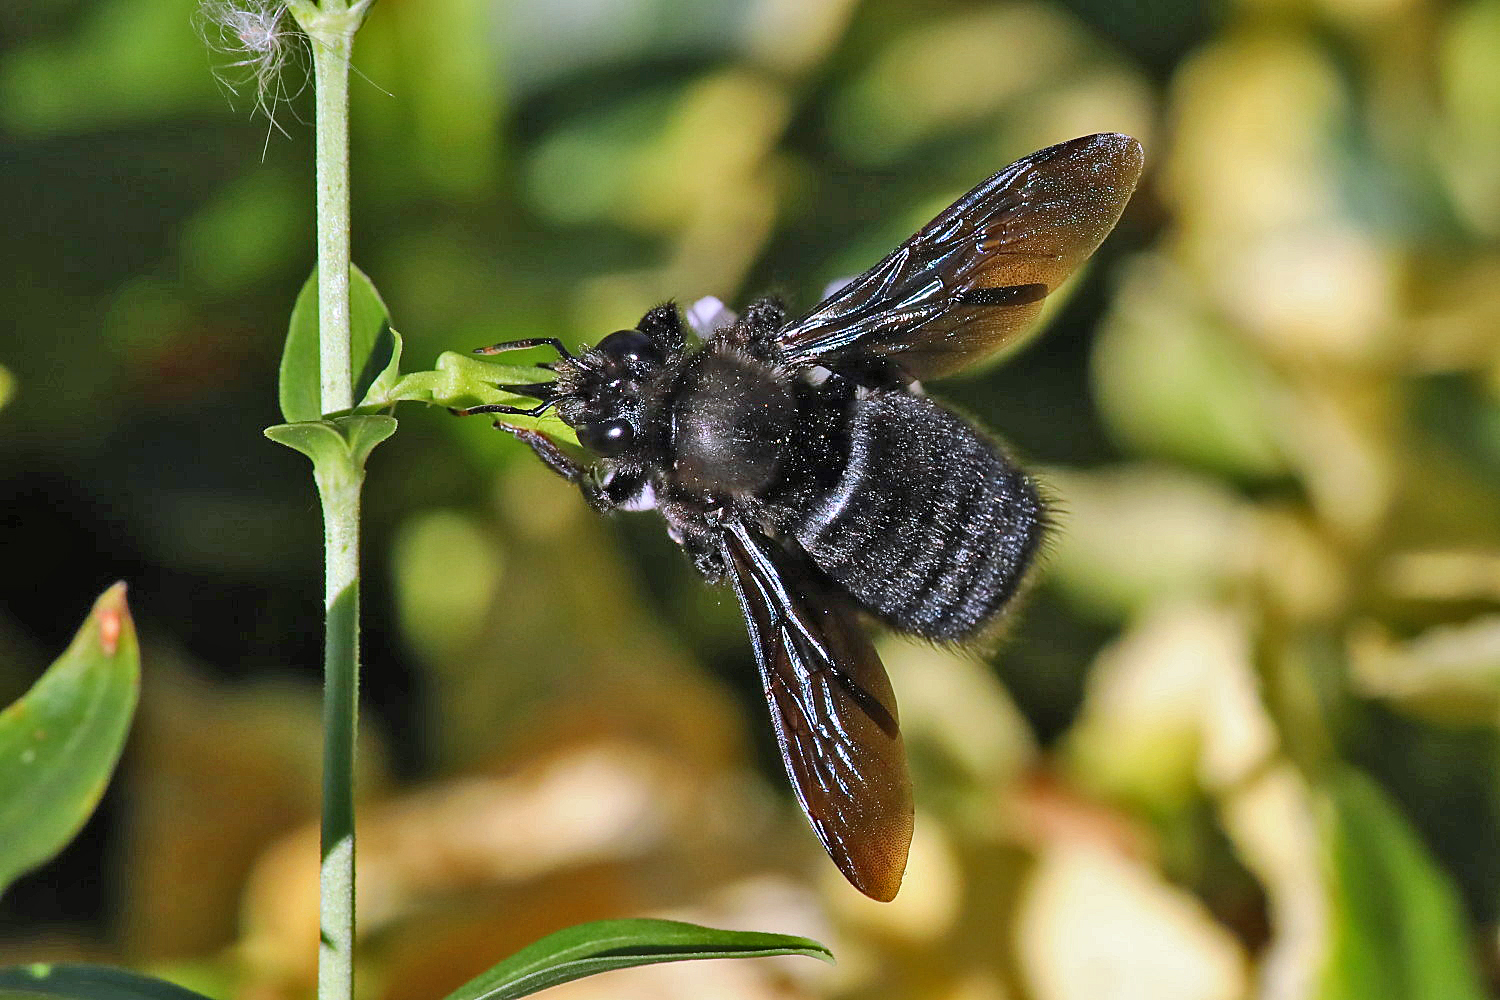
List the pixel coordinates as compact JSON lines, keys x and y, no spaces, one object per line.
{"x":799,"y":459}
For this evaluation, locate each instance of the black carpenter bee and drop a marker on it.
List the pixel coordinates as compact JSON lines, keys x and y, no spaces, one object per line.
{"x":799,"y":459}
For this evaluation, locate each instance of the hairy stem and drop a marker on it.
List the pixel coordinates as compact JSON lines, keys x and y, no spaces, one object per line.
{"x":339,"y":491}
{"x":331,"y":28}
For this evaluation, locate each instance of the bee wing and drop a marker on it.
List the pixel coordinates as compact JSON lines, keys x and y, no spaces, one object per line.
{"x":971,"y":280}
{"x":833,"y":709}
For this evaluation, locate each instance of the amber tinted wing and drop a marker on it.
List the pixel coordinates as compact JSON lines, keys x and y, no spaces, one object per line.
{"x":833,"y":709}
{"x":974,"y":278}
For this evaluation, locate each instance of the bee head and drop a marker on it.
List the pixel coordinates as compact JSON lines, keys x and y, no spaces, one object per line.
{"x":598,"y":393}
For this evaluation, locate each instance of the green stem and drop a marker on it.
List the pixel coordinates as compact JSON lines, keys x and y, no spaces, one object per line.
{"x":331,"y":28}
{"x":339,"y":490}
{"x":331,"y":84}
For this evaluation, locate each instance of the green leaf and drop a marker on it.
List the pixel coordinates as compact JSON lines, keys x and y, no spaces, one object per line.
{"x":606,"y":945}
{"x":372,"y":346}
{"x":319,"y":440}
{"x":342,"y":441}
{"x":364,"y":432}
{"x":299,"y":389}
{"x":1398,"y":930}
{"x":87,"y":982}
{"x":379,"y":395}
{"x":372,"y":342}
{"x":60,"y":741}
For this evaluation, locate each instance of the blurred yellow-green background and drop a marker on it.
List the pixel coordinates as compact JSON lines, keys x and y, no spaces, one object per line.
{"x":1240,"y":741}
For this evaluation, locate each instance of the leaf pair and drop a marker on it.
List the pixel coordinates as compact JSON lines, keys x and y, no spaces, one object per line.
{"x":337,"y":444}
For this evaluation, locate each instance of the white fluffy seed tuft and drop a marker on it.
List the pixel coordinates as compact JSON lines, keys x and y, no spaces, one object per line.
{"x":261,"y":46}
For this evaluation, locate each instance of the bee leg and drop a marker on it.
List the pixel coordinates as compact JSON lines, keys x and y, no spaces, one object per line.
{"x":702,"y":543}
{"x":565,"y":465}
{"x":707,"y":559}
{"x":768,"y":312}
{"x":705,"y":552}
{"x":521,"y":345}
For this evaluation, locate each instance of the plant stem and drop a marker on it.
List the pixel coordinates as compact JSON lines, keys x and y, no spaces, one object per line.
{"x":331,"y":28}
{"x":339,"y":491}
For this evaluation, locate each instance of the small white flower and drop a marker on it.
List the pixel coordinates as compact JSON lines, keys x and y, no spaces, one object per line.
{"x":709,"y":315}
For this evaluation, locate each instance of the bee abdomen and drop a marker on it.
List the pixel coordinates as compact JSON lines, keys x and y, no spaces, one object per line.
{"x":929,"y":526}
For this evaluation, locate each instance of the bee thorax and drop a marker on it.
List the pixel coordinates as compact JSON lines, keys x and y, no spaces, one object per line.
{"x":730,"y":418}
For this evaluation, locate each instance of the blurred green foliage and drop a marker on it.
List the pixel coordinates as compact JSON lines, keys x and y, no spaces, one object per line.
{"x":1241,"y":737}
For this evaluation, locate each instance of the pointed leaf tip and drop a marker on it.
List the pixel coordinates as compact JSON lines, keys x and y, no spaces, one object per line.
{"x":112,"y":612}
{"x":606,"y":945}
{"x":59,"y":742}
{"x":109,"y":629}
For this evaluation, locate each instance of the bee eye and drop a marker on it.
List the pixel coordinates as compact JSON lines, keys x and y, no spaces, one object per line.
{"x":606,"y":437}
{"x":630,"y":345}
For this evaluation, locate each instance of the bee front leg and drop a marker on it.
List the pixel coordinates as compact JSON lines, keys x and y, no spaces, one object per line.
{"x":565,"y":465}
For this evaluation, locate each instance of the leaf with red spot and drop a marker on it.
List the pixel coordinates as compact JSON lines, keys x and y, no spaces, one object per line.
{"x":60,"y":741}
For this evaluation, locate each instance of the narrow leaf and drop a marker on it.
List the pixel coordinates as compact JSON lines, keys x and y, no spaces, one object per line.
{"x":606,"y":945}
{"x":1398,"y":929}
{"x":371,"y":346}
{"x":60,"y":741}
{"x":87,"y":982}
